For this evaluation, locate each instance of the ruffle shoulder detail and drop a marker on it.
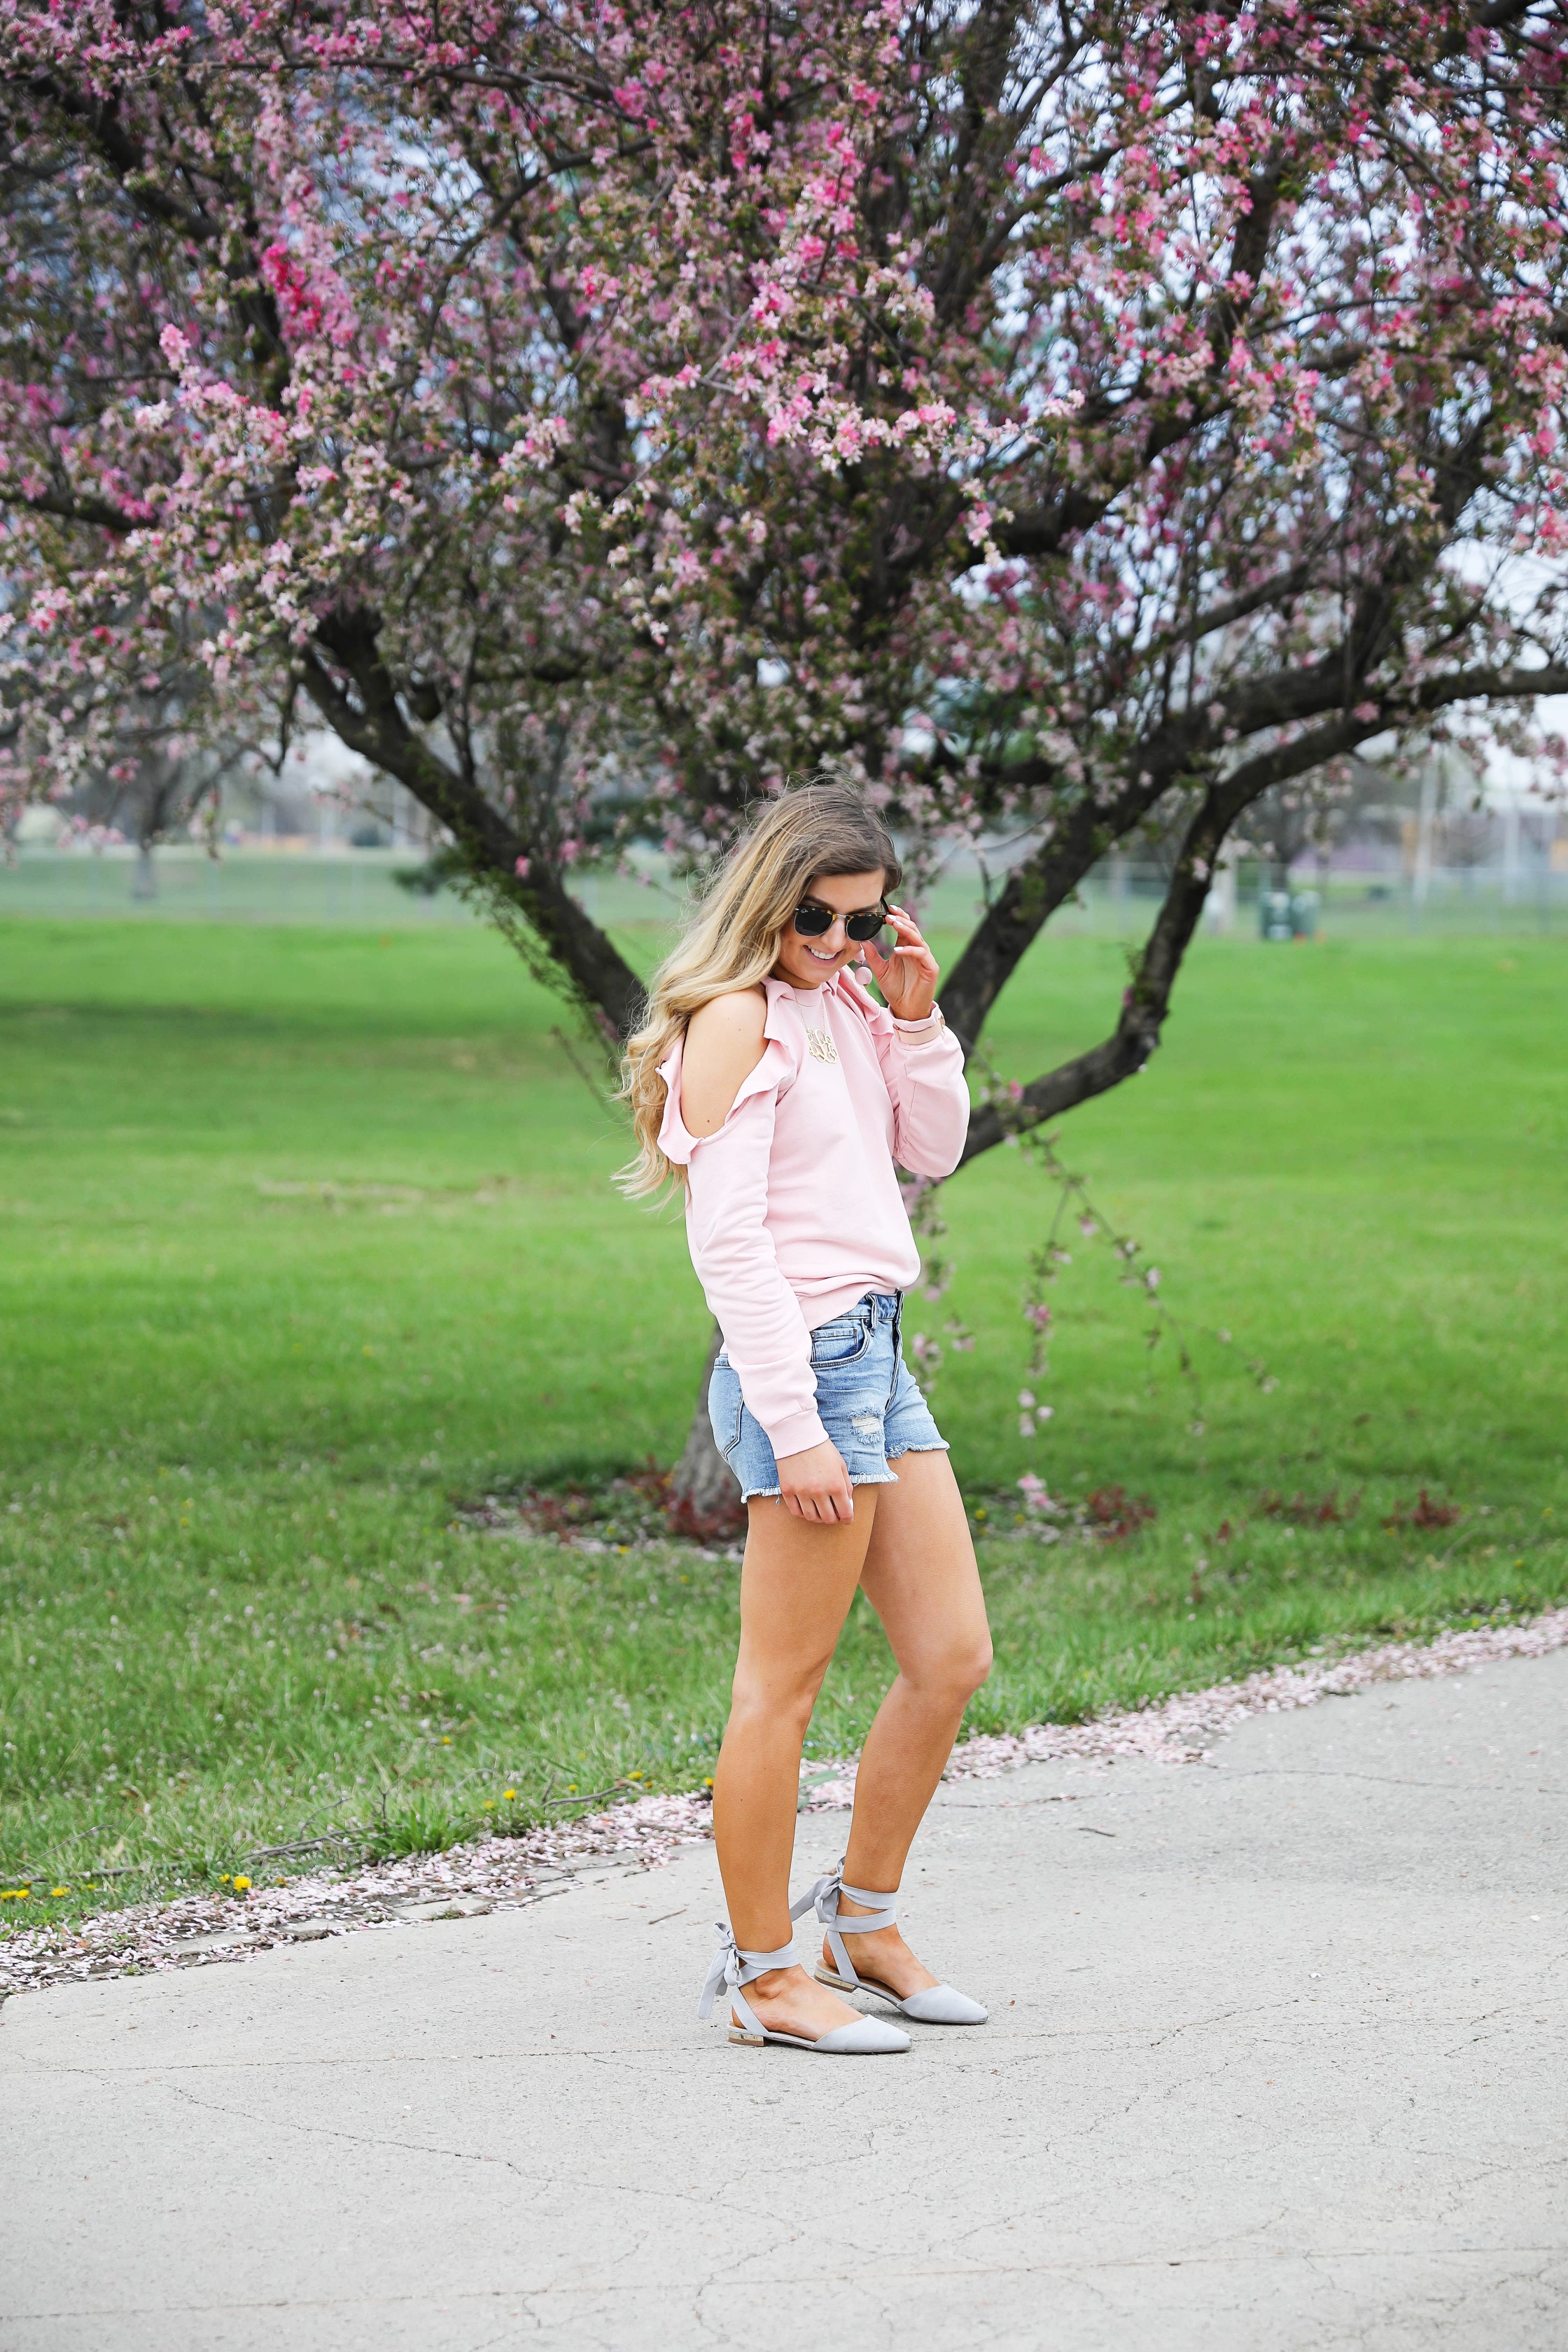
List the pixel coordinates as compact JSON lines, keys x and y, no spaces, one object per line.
{"x":879,"y":1026}
{"x":775,"y":1073}
{"x":877,"y":1017}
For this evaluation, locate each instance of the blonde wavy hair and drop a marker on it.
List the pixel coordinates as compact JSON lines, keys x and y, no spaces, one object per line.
{"x":733,"y":937}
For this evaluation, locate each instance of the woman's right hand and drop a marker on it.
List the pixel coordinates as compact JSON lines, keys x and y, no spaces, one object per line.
{"x":815,"y":1485}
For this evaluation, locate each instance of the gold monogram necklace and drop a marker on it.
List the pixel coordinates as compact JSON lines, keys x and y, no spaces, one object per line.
{"x":819,"y":1042}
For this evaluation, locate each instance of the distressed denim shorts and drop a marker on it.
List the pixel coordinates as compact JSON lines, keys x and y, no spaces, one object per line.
{"x":870,"y":1405}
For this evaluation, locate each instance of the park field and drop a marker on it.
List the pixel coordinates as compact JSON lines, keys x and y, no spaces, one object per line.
{"x":311,"y":1245}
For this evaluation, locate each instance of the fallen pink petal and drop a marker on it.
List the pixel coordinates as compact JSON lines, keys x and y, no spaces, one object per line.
{"x":507,"y":1873}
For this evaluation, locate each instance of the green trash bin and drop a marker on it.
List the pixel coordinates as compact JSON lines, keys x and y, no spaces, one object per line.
{"x":1273,"y":915}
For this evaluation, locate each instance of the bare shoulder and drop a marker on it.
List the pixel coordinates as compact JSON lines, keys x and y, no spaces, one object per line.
{"x":737,"y":1017}
{"x":723,"y":1046}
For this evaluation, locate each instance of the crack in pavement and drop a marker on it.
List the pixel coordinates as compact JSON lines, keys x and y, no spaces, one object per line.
{"x":1103,"y":2265}
{"x":59,"y":2069}
{"x":335,"y":2131}
{"x":585,"y":2180}
{"x":1040,"y":2187}
{"x":1377,"y":1779}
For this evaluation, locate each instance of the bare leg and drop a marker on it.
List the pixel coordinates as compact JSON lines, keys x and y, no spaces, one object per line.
{"x":920,"y":1577}
{"x":796,"y":1584}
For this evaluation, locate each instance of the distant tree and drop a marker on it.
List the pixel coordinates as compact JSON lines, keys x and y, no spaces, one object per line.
{"x":155,"y":777}
{"x":1071,"y":418}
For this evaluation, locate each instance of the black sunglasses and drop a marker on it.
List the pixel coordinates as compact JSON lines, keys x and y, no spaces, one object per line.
{"x":811,"y":921}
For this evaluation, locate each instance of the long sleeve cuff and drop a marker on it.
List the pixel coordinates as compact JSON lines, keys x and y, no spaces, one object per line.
{"x":795,"y":1433}
{"x":923,"y":1067}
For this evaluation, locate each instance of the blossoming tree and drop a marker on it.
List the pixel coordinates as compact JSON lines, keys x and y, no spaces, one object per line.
{"x":1070,"y":419}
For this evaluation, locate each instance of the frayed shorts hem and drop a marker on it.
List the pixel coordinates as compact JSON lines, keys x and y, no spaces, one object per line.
{"x":856,"y":1478}
{"x":888,"y":1477}
{"x":870,"y":1405}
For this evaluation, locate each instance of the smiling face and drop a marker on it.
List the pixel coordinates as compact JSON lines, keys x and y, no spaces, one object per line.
{"x":806,"y":963}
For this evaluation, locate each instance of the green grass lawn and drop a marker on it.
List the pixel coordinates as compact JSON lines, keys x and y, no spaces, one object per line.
{"x":309,"y":1240}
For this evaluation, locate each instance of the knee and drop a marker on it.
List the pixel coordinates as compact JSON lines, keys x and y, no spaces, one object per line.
{"x":957,"y":1672}
{"x":974,"y":1666}
{"x":776,"y":1696}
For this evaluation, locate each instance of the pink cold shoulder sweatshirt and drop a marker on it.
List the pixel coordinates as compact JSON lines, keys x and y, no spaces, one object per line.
{"x":792,"y":1209}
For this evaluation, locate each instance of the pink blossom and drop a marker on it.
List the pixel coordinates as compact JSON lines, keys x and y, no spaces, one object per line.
{"x":682,"y":465}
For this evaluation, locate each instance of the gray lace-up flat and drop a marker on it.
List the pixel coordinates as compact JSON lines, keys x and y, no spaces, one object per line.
{"x":938,"y":2005}
{"x":731,"y":1969}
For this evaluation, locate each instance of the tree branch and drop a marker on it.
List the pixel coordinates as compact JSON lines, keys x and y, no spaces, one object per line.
{"x":101,"y":118}
{"x":97,"y":511}
{"x":1032,"y":892}
{"x":490,"y":844}
{"x":1147,"y":1002}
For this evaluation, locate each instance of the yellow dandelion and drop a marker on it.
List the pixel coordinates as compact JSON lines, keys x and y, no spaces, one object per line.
{"x":490,"y":1804}
{"x":59,"y":1890}
{"x":242,"y":1885}
{"x":509,"y":1794}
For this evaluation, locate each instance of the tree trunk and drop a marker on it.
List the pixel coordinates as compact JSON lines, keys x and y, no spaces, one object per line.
{"x":704,"y":1495}
{"x":144,"y":881}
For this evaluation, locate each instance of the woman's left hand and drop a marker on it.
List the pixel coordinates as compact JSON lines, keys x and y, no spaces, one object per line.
{"x":907,"y":977}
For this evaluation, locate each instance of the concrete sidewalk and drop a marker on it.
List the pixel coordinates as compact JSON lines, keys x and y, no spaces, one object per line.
{"x":1277,"y":2065}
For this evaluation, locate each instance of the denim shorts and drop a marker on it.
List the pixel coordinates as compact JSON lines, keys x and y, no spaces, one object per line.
{"x":868,"y":1400}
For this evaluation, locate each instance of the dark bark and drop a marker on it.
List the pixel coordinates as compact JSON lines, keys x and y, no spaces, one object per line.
{"x":704,"y":1493}
{"x":370,"y":721}
{"x":1148,"y":997}
{"x":1034,"y":890}
{"x":371,"y":709}
{"x":1147,"y":1000}
{"x":364,"y":705}
{"x":361,"y":702}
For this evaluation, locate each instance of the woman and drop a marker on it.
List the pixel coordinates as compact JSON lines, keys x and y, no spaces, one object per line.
{"x":771,"y":1085}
